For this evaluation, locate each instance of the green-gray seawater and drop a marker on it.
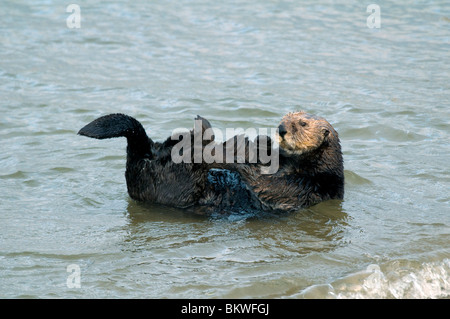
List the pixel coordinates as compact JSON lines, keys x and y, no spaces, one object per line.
{"x":63,"y":198}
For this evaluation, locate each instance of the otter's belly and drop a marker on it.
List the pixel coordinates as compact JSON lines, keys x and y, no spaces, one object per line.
{"x":224,"y":180}
{"x":228,"y":193}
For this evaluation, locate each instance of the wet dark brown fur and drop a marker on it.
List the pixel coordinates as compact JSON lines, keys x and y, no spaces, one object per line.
{"x":151,"y":175}
{"x":310,"y":168}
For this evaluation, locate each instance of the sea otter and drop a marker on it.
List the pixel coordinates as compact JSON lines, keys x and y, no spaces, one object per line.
{"x":310,"y":167}
{"x":151,"y":175}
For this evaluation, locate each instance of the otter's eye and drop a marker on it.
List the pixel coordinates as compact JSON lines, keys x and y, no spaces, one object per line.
{"x":302,"y":123}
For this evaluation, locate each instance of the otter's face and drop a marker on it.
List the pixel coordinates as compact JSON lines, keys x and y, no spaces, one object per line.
{"x":300,"y":133}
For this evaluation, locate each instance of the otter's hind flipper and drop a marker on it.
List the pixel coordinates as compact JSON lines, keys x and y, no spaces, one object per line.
{"x":117,"y":125}
{"x":202,"y":125}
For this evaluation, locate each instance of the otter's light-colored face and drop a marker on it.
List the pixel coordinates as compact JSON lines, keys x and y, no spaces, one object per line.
{"x":300,"y":132}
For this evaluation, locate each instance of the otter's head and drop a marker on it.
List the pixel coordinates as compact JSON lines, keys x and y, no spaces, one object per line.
{"x":301,"y":133}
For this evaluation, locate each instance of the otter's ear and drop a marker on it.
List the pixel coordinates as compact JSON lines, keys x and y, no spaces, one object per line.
{"x":325,"y":132}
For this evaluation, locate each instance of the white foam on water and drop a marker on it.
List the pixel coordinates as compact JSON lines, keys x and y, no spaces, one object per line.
{"x":397,"y":279}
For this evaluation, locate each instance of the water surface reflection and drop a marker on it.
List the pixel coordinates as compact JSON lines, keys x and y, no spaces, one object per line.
{"x":319,"y":228}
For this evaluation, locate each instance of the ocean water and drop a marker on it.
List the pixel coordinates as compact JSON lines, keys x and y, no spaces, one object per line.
{"x":68,"y":228}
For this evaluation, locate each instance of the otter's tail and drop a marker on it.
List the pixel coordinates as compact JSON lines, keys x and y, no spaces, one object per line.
{"x":116,"y":125}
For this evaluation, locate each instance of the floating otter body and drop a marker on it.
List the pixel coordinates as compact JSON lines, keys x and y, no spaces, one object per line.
{"x":151,"y":175}
{"x":310,"y":168}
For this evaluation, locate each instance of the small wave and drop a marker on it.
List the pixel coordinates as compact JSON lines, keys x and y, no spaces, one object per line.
{"x":395,"y":280}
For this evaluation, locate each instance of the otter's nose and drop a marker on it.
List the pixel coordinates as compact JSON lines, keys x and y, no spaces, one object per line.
{"x":282,"y":130}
